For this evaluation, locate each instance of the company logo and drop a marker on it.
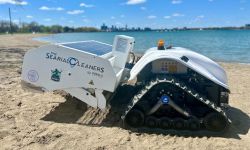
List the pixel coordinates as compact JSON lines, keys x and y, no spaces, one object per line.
{"x":33,"y":76}
{"x":72,"y":61}
{"x":56,"y":75}
{"x":165,"y":99}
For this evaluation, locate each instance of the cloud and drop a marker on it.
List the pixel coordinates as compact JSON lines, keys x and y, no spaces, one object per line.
{"x":210,"y":0}
{"x":152,"y":17}
{"x":51,"y":8}
{"x":198,"y":18}
{"x":118,"y":24}
{"x":178,"y":15}
{"x":112,"y":17}
{"x":86,"y":20}
{"x":134,"y":2}
{"x":13,"y":2}
{"x":167,"y":17}
{"x":29,"y":16}
{"x":143,"y":8}
{"x":59,"y":8}
{"x":44,"y":8}
{"x":47,"y":19}
{"x":75,"y":12}
{"x":86,"y":5}
{"x":201,"y":16}
{"x":176,"y":1}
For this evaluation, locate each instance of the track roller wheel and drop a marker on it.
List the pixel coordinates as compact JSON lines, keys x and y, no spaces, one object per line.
{"x":165,"y":123}
{"x":151,"y":122}
{"x":135,"y":118}
{"x":215,"y":122}
{"x":194,"y":124}
{"x":179,"y":124}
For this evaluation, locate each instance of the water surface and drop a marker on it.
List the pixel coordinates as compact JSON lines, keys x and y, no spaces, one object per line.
{"x":220,"y":45}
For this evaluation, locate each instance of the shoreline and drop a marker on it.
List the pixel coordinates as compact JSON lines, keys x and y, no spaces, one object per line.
{"x":49,"y":121}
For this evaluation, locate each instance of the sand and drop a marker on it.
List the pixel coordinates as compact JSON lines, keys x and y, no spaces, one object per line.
{"x":49,"y":121}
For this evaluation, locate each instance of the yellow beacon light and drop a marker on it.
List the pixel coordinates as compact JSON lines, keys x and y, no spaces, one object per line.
{"x":161,"y":45}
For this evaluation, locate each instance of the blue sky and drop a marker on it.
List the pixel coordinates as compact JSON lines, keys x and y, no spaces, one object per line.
{"x":137,"y":13}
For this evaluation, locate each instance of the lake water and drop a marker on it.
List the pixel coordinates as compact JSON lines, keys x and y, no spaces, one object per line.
{"x":228,"y":46}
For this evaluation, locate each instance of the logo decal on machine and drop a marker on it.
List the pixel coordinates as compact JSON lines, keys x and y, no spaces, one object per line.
{"x":33,"y":76}
{"x":56,"y":75}
{"x":72,"y":61}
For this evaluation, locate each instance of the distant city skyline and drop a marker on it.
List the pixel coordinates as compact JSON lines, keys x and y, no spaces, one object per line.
{"x":133,"y":13}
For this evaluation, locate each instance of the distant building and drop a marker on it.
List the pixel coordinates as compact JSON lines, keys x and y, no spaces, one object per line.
{"x":113,"y":28}
{"x":104,"y":27}
{"x":147,"y":29}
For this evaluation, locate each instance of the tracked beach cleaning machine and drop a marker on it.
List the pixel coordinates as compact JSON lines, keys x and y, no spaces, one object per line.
{"x":176,"y":87}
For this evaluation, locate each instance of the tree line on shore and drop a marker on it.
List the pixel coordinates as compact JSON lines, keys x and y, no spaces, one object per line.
{"x":5,"y":27}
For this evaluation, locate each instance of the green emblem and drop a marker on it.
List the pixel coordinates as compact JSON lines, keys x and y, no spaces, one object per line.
{"x":56,"y":75}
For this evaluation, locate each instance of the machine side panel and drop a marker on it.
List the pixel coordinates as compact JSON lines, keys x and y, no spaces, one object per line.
{"x":55,"y":67}
{"x":196,"y":62}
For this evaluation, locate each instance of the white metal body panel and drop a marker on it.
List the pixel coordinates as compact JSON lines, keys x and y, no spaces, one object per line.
{"x":122,"y":46}
{"x":197,"y":62}
{"x":84,"y":96}
{"x":78,"y":69}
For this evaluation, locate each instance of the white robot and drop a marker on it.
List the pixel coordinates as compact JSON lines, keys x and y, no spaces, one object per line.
{"x":175,"y":87}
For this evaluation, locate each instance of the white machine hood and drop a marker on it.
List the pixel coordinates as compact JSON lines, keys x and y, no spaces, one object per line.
{"x":197,"y":62}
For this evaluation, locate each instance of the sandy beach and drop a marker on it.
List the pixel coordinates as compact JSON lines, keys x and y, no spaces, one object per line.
{"x":49,"y":121}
